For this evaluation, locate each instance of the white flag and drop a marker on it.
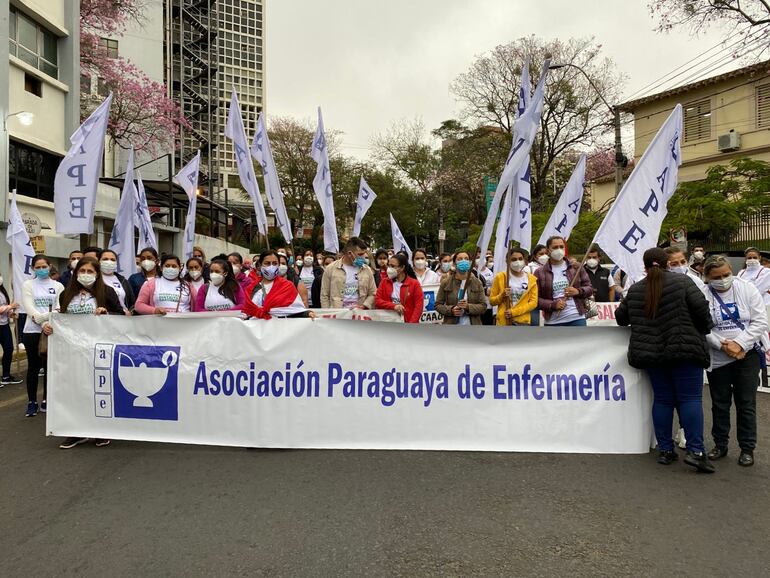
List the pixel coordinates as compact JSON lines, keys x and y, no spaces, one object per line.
{"x":503,"y":236}
{"x":122,"y":238}
{"x":142,"y":219}
{"x":263,"y":154}
{"x":399,"y":243}
{"x":22,"y":251}
{"x":322,"y":185}
{"x":632,"y":224}
{"x":567,"y":211}
{"x":187,"y":178}
{"x":77,"y":177}
{"x":366,"y":197}
{"x":235,"y":132}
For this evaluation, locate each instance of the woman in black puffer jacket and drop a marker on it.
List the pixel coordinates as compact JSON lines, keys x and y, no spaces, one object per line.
{"x":669,"y":319}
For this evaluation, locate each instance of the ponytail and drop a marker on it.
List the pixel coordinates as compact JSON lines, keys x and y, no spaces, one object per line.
{"x":655,"y":261}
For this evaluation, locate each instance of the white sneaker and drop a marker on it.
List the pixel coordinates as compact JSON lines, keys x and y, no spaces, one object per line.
{"x":679,"y":439}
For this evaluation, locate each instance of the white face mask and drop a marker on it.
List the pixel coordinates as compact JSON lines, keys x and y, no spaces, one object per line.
{"x":679,"y":269}
{"x":86,"y":279}
{"x":752,"y":263}
{"x":170,"y":273}
{"x":557,"y":254}
{"x":592,"y":263}
{"x":195,"y":275}
{"x":517,"y":265}
{"x":73,"y":263}
{"x":542,"y":259}
{"x":148,"y":265}
{"x":722,"y":284}
{"x":217,"y":279}
{"x":420,"y":264}
{"x":698,"y":255}
{"x":282,"y":269}
{"x":392,"y":273}
{"x":236,"y":269}
{"x":446,"y":267}
{"x":109,"y":267}
{"x":308,"y":261}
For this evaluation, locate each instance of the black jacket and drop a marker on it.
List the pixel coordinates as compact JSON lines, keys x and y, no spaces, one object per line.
{"x":676,"y":334}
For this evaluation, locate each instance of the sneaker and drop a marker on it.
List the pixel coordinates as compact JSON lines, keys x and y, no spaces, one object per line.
{"x":100,"y":443}
{"x":43,"y":406}
{"x":667,"y":458}
{"x":10,"y":380}
{"x":31,"y":409}
{"x":699,"y":461}
{"x":70,"y":443}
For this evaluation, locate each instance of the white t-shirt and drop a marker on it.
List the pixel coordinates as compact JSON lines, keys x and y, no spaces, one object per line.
{"x":114,"y":282}
{"x":519,"y":286}
{"x":4,"y":316}
{"x":215,"y":301}
{"x":560,"y":283}
{"x":396,"y":295}
{"x":261,"y":293}
{"x":172,"y":295}
{"x":760,"y":278}
{"x":82,"y":304}
{"x":44,"y":295}
{"x":428,"y":277}
{"x":350,"y":292}
{"x":198,"y":284}
{"x":307,"y":277}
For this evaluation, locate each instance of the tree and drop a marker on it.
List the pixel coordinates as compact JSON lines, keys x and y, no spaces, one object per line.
{"x":748,"y":18}
{"x":715,"y":206}
{"x":141,"y":115}
{"x":574,"y":114}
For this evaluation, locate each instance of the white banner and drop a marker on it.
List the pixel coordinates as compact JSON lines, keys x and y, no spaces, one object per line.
{"x":122,"y":238}
{"x":633,"y":223}
{"x":322,"y":186}
{"x":77,"y":177}
{"x":566,"y":213}
{"x":263,"y":154}
{"x":429,"y":313}
{"x":606,"y":317}
{"x":450,"y":388}
{"x":399,"y":243}
{"x":366,"y":197}
{"x":382,"y":315}
{"x":22,"y":251}
{"x":187,"y":178}
{"x":142,"y":219}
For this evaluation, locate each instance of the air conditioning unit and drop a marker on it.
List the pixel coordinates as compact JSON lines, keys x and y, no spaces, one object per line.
{"x":729,"y":142}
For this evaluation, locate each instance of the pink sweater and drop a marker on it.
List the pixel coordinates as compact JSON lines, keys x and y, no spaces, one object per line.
{"x":200,"y":298}
{"x":145,"y":303}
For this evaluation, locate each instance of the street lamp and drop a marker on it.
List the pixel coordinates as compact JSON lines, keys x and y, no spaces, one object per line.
{"x":25,"y":118}
{"x":620,"y":159}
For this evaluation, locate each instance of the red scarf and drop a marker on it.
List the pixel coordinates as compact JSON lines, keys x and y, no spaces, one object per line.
{"x":282,"y":294}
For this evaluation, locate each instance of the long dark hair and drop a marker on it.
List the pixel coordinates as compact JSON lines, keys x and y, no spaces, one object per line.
{"x":229,"y":288}
{"x":403,"y":260}
{"x":655,"y":261}
{"x":98,"y":289}
{"x":4,"y":293}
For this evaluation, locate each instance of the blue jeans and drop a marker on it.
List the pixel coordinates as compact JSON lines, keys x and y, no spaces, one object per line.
{"x":678,"y":387}
{"x":576,"y":323}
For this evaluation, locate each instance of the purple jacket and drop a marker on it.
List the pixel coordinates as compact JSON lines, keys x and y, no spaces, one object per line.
{"x":545,"y":300}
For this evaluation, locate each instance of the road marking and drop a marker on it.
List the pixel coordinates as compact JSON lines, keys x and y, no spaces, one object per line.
{"x":13,"y":400}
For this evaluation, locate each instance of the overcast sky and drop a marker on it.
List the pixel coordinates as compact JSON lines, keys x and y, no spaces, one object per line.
{"x":370,"y":62}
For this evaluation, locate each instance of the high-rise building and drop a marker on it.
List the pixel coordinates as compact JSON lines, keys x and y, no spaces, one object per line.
{"x":213,"y":46}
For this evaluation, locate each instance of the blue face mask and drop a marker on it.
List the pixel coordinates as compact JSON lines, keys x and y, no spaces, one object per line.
{"x":463,"y":265}
{"x":291,"y":261}
{"x":41,"y":273}
{"x":359,"y":262}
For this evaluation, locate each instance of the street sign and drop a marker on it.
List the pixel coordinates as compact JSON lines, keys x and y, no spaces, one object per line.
{"x":490,"y":186}
{"x":32,"y":224}
{"x":442,"y":234}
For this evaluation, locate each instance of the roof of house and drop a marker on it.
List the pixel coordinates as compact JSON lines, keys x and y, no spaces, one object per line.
{"x":758,"y":69}
{"x":610,"y":177}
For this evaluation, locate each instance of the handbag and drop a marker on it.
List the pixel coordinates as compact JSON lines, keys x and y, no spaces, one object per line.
{"x":742,"y":327}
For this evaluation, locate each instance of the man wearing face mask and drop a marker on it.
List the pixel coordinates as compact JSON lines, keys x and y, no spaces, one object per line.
{"x":601,"y":280}
{"x":65,"y":276}
{"x":677,"y":263}
{"x":755,"y":274}
{"x":562,"y":288}
{"x":349,"y":282}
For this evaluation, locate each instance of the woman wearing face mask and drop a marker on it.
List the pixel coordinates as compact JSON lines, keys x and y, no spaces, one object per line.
{"x":755,"y":274}
{"x":87,"y":294}
{"x":287,"y":272}
{"x":245,"y":281}
{"x":401,"y":291}
{"x":168,"y":293}
{"x":311,"y":275}
{"x":460,"y":297}
{"x":222,"y":292}
{"x":421,"y":270}
{"x":7,"y":310}
{"x":194,"y":275}
{"x":669,"y":319}
{"x":735,"y":343}
{"x":148,"y":261}
{"x":446,"y":263}
{"x":40,"y":296}
{"x":380,"y":266}
{"x":677,"y":263}
{"x":538,"y":258}
{"x":273,"y":295}
{"x":108,"y":265}
{"x":562,"y":287}
{"x":515,"y":294}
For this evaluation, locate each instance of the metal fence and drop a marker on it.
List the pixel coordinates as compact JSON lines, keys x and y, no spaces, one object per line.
{"x":754,"y":231}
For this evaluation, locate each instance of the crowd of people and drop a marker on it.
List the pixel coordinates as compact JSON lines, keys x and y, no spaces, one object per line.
{"x":688,"y":313}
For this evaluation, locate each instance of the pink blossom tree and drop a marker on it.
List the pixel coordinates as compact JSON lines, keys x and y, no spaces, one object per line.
{"x":142,"y":115}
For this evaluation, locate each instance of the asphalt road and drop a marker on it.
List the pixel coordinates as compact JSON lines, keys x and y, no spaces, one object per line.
{"x":140,"y":509}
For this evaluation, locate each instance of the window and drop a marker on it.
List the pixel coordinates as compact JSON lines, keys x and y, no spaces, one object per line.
{"x":697,"y":121}
{"x":31,"y":171}
{"x":763,"y":106}
{"x":33,"y":85}
{"x":111,"y":46}
{"x":33,"y":44}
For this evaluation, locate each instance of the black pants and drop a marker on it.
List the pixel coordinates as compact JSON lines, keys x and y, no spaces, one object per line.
{"x":6,"y":341}
{"x":34,"y":363}
{"x":735,"y":381}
